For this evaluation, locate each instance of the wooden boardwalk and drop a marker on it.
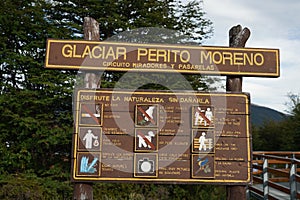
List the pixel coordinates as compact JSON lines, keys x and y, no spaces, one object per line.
{"x":275,"y":176}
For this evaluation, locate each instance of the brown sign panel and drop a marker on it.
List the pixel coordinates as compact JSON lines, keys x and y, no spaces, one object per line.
{"x":161,"y":137}
{"x":91,"y":55}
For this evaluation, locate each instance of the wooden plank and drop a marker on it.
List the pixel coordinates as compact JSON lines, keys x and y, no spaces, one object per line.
{"x":271,"y":161}
{"x":281,"y":153}
{"x":279,"y":187}
{"x":297,"y":177}
{"x":278,"y":172}
{"x":279,"y":179}
{"x":257,"y":179}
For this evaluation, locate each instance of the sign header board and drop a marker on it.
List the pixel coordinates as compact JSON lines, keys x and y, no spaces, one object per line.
{"x":161,"y":137}
{"x":113,"y":56}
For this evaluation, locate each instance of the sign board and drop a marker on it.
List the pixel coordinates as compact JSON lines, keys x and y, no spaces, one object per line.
{"x":93,"y":55}
{"x":161,"y":137}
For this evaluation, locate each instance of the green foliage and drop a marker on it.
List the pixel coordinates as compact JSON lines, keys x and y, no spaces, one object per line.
{"x":160,"y":192}
{"x":36,"y":104}
{"x":30,"y":187}
{"x":159,"y":81}
{"x":280,"y":136}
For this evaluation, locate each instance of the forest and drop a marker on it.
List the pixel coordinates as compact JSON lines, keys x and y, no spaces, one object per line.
{"x":36,"y":123}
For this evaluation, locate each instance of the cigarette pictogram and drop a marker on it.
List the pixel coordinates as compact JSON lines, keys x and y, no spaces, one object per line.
{"x":90,"y":113}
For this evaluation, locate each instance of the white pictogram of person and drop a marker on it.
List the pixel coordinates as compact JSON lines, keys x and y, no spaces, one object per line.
{"x":202,"y":142}
{"x":88,"y":138}
{"x":208,"y":115}
{"x":198,"y":117}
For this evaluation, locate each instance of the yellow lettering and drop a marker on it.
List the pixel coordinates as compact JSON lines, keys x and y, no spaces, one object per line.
{"x":98,"y":50}
{"x":141,"y":52}
{"x":152,"y":55}
{"x":86,"y":52}
{"x":238,"y":59}
{"x":162,"y":54}
{"x":205,"y":56}
{"x":110,"y":53}
{"x":215,"y":58}
{"x":121,"y":51}
{"x":259,"y":59}
{"x":175,"y":54}
{"x":67,"y":51}
{"x":227,"y":56}
{"x":248,"y":59}
{"x":231,"y":58}
{"x":74,"y":52}
{"x":185,"y":56}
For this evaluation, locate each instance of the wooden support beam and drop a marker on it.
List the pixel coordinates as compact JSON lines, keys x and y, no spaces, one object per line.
{"x":237,"y":38}
{"x":91,"y":32}
{"x":84,"y":191}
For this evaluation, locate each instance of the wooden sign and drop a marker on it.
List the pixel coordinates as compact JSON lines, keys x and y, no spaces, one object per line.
{"x":161,"y":137}
{"x":91,"y":55}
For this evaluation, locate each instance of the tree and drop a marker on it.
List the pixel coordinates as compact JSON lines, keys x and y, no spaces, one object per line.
{"x":122,"y":20}
{"x":293,"y":122}
{"x":283,"y":135}
{"x":116,"y":16}
{"x":36,"y":104}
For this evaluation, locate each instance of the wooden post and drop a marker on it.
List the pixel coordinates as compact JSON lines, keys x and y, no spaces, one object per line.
{"x":84,"y":191}
{"x":237,"y":38}
{"x":91,"y":32}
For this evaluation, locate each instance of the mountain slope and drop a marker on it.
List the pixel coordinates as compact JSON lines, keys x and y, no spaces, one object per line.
{"x":260,"y":114}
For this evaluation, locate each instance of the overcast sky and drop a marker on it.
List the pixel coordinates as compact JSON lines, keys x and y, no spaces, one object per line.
{"x":273,"y":24}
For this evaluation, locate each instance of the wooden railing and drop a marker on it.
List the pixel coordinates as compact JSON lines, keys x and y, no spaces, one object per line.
{"x":275,"y":173}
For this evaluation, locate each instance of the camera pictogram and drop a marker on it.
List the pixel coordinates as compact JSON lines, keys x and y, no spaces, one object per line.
{"x":146,"y":165}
